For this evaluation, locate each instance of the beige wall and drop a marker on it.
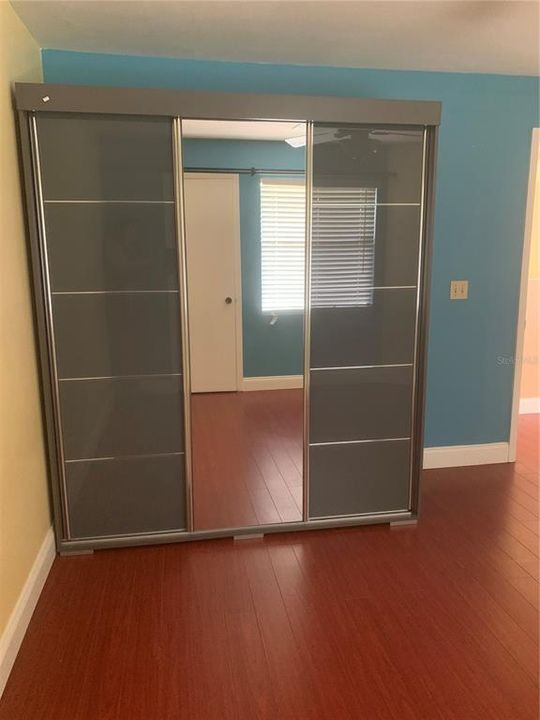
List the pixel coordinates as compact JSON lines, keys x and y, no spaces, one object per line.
{"x":24,"y":512}
{"x":530,"y":381}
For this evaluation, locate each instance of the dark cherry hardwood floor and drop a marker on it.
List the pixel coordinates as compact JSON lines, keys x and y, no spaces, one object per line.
{"x":247,"y":458}
{"x":434,"y":621}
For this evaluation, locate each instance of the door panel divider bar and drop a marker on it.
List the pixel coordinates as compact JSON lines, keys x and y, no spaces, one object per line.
{"x":319,"y":204}
{"x":114,"y":292}
{"x":365,"y":288}
{"x":358,"y":442}
{"x":360,"y":367}
{"x":119,"y":377}
{"x":109,"y":202}
{"x":124,"y":457}
{"x":352,"y":515}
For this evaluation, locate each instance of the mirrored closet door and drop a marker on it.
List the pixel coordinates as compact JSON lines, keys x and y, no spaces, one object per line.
{"x":244,"y":218}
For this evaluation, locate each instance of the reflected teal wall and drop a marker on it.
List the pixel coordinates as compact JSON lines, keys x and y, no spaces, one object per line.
{"x":268,"y":349}
{"x":481,"y":194}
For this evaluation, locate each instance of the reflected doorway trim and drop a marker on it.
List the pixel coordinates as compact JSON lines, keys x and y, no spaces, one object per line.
{"x":238,"y":309}
{"x":184,"y":317}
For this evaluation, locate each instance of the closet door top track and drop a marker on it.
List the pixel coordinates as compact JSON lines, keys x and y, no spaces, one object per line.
{"x":46,"y":97}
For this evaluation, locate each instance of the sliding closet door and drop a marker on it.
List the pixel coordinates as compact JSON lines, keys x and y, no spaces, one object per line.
{"x":110,"y":258}
{"x":366,"y":226}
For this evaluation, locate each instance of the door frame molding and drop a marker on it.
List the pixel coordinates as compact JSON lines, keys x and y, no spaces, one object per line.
{"x":238,"y":302}
{"x":524,"y":284}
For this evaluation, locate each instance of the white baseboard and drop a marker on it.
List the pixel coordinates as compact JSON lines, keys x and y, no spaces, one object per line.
{"x":273,"y":382}
{"x":461,"y":455}
{"x":15,"y":630}
{"x":527,"y":406}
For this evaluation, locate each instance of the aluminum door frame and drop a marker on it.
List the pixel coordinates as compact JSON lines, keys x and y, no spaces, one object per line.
{"x":419,"y":363}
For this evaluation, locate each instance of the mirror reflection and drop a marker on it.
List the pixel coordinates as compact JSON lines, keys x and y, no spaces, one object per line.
{"x":244,"y":198}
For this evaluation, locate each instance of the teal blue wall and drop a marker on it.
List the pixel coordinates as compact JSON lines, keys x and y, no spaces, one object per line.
{"x":481,"y":194}
{"x":268,"y":349}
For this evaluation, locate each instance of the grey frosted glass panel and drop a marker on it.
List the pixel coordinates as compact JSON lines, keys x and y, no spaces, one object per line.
{"x":105,"y":157}
{"x":386,"y":158}
{"x":397,"y":237}
{"x":125,"y":334}
{"x":360,"y":404}
{"x":123,"y":416}
{"x":379,"y":333}
{"x":359,"y":478}
{"x":111,"y":246}
{"x":124,"y":496}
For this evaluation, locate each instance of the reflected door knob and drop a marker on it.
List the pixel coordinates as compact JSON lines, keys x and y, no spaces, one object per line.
{"x":228,"y":300}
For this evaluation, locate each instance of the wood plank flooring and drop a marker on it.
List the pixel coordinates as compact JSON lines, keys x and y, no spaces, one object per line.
{"x":247,"y":458}
{"x":437,"y":621}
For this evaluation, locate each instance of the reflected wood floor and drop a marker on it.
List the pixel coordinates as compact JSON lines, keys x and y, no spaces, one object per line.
{"x":247,"y":458}
{"x":434,"y":621}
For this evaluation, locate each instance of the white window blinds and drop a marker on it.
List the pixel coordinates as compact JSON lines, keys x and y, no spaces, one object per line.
{"x":283,"y":220}
{"x":343,"y":246}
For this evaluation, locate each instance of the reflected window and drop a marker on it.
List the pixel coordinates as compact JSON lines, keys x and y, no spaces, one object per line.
{"x":282,"y":244}
{"x":343,"y":250}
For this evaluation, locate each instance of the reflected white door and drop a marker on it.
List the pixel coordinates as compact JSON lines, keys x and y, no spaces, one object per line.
{"x":213,"y":268}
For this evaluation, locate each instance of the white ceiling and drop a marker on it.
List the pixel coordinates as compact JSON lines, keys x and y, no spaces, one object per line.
{"x":241,"y":129}
{"x":495,"y":36}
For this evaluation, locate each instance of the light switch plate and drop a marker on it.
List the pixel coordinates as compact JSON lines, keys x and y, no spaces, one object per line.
{"x":459,"y":289}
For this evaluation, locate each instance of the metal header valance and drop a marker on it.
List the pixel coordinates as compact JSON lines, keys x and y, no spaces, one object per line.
{"x":223,"y":106}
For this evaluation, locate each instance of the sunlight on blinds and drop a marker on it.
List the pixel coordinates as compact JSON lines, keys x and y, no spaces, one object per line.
{"x":343,"y":246}
{"x":283,"y":221}
{"x":343,"y":250}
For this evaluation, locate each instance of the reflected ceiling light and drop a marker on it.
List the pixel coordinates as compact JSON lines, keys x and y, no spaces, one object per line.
{"x":296,"y":142}
{"x":323,"y":136}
